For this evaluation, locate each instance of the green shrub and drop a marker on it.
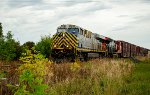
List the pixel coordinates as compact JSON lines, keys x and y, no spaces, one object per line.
{"x":32,"y":74}
{"x":44,"y":46}
{"x":30,"y":85}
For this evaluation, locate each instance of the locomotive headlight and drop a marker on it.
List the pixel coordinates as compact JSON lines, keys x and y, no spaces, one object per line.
{"x":63,"y":35}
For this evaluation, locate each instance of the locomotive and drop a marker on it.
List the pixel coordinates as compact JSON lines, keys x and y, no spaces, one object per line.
{"x":73,"y":42}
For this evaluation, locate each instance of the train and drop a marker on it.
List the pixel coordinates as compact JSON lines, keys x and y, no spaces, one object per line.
{"x":73,"y":42}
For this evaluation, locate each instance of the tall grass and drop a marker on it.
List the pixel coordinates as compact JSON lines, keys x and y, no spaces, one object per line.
{"x":139,"y":82}
{"x":96,"y":77}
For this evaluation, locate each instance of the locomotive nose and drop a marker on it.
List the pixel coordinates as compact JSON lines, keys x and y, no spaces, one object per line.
{"x":61,"y":34}
{"x":64,"y":40}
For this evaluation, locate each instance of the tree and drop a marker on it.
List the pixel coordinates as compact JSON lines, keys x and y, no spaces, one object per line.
{"x":1,"y":46}
{"x":1,"y":41}
{"x":28,"y":45}
{"x":8,"y":47}
{"x":1,"y":30}
{"x":44,"y":46}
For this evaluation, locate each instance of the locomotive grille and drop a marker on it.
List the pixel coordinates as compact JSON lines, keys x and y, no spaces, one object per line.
{"x":64,"y":40}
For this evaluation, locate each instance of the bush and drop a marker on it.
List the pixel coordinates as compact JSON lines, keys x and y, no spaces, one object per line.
{"x":44,"y":46}
{"x":32,"y":74}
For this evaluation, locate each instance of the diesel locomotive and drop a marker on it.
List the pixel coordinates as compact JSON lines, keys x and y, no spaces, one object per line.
{"x":73,"y":42}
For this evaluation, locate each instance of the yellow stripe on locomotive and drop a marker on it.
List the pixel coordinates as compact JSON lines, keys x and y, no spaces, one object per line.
{"x":64,"y":40}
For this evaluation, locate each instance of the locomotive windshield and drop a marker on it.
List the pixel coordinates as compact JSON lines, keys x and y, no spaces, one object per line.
{"x":73,"y":30}
{"x":61,"y":30}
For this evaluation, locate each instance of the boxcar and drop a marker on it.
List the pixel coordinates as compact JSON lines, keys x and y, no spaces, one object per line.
{"x":133,"y":50}
{"x":123,"y":48}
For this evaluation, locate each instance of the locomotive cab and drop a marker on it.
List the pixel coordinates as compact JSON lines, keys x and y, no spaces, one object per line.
{"x":68,"y":28}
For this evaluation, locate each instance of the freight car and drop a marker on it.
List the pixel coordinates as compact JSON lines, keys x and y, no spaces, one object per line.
{"x":73,"y":42}
{"x":125,"y":49}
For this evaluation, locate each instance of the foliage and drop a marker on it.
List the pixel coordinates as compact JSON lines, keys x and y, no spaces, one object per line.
{"x":34,"y":62}
{"x":29,"y":85}
{"x":1,"y":39}
{"x":32,"y":74}
{"x":9,"y":48}
{"x":44,"y":46}
{"x":1,"y":31}
{"x":28,"y":45}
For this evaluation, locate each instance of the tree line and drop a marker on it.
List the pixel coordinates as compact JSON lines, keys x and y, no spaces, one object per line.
{"x":10,"y":49}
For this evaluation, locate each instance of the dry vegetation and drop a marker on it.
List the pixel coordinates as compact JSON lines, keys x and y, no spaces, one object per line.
{"x":95,"y":77}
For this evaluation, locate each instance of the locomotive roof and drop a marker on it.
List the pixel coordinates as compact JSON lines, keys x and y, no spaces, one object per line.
{"x":68,"y":26}
{"x":95,"y":34}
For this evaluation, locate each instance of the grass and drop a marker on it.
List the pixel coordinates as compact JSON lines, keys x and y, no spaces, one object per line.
{"x":97,"y":77}
{"x":139,"y":83}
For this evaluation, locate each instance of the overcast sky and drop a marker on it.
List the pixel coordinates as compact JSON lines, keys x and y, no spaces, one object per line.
{"x":127,"y":20}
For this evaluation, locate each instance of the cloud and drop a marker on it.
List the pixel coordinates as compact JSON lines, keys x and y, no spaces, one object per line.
{"x":119,"y":19}
{"x":21,"y":3}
